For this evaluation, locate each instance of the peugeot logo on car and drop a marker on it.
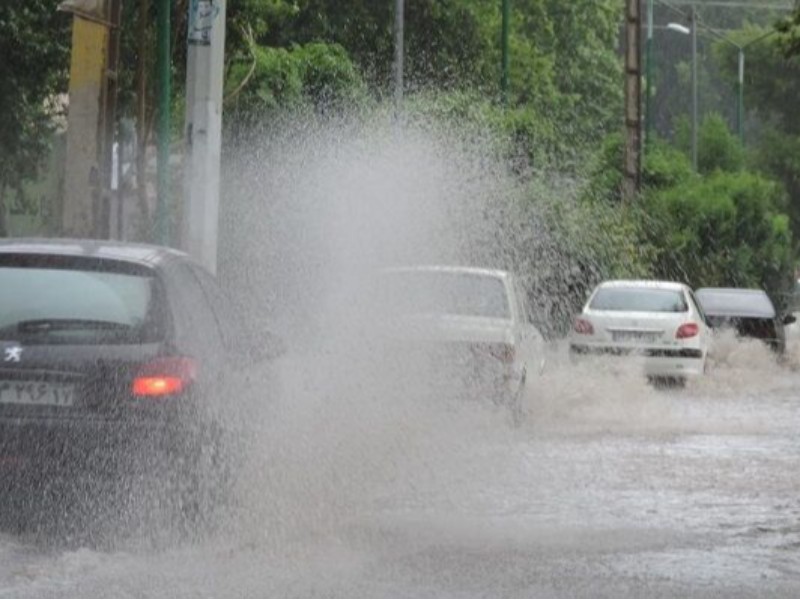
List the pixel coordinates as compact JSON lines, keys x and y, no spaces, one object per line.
{"x":13,"y":354}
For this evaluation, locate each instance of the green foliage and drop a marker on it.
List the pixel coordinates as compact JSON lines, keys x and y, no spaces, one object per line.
{"x":778,"y":155}
{"x":315,"y":75}
{"x":772,"y":80}
{"x":725,"y":229}
{"x":717,"y":147}
{"x":34,"y":41}
{"x":663,"y":166}
{"x":772,"y":89}
{"x":565,"y":74}
{"x":790,"y":27}
{"x":531,"y":141}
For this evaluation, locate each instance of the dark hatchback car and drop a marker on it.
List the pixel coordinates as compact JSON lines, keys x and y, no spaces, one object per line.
{"x":749,"y":312}
{"x":117,"y":360}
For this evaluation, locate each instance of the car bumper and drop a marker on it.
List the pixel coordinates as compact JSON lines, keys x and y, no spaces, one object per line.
{"x":50,"y":446}
{"x":656,"y":362}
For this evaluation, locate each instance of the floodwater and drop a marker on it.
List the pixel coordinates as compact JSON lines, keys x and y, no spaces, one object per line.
{"x":609,"y":488}
{"x":358,"y":485}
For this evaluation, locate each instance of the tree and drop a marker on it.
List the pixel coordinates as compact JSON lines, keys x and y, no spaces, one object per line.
{"x":316,"y":75}
{"x":717,"y":147}
{"x":772,"y":86}
{"x":34,"y":43}
{"x":772,"y":80}
{"x":726,"y":229}
{"x":790,"y":27}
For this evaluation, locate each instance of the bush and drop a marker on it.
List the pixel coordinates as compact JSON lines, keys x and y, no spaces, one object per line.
{"x":722,"y":230}
{"x":717,"y":147}
{"x":664,"y":166}
{"x":315,"y":76}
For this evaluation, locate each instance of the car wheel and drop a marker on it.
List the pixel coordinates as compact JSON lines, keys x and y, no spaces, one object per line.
{"x":516,"y":401}
{"x":203,"y":483}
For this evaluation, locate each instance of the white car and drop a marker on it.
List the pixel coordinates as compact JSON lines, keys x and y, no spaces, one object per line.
{"x":472,"y":327}
{"x":657,"y":320}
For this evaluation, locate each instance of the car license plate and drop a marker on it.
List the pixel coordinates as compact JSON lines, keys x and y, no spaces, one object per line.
{"x":634,"y":336}
{"x":37,"y":393}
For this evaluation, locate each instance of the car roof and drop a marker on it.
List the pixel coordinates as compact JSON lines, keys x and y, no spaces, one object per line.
{"x":643,"y":283}
{"x":142,"y":254}
{"x":732,"y":302}
{"x":448,"y":269}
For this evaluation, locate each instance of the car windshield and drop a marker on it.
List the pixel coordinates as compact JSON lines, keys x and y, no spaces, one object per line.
{"x":452,"y":293}
{"x":70,"y":306}
{"x":639,"y":299}
{"x":749,"y":303}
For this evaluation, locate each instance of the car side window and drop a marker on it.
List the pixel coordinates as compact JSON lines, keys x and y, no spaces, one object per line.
{"x":698,"y":306}
{"x":197,"y":330}
{"x":234,"y":336}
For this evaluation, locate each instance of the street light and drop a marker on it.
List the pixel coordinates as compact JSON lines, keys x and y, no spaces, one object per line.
{"x":740,"y":79}
{"x":679,"y":28}
{"x":740,"y":76}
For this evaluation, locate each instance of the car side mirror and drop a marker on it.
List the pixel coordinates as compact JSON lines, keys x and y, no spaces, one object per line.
{"x":789,"y":319}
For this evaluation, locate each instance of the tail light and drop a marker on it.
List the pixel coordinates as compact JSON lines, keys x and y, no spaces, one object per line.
{"x":164,"y":376}
{"x":583,"y":327}
{"x":687,"y":330}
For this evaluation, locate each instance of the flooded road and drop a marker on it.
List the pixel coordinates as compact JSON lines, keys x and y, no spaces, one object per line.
{"x":610,"y":488}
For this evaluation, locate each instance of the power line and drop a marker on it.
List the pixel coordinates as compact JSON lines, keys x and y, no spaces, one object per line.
{"x":734,"y":4}
{"x":673,"y":8}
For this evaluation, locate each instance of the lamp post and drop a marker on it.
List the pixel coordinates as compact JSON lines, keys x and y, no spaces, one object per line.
{"x":648,"y":114}
{"x":740,"y":48}
{"x":693,"y":31}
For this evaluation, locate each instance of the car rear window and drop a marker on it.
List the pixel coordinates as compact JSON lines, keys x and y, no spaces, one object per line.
{"x":44,"y":305}
{"x":732,"y":303}
{"x":639,"y":300}
{"x":443,"y":292}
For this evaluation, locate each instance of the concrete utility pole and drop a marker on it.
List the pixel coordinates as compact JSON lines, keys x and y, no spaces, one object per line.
{"x":203,"y":132}
{"x":90,"y":121}
{"x":633,"y":113}
{"x":399,"y":35}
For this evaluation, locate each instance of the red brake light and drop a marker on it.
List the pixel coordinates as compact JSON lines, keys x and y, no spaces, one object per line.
{"x":583,"y":327}
{"x":164,"y":376}
{"x":687,"y":330}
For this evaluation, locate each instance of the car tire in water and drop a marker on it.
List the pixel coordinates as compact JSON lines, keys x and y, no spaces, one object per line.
{"x":204,"y":483}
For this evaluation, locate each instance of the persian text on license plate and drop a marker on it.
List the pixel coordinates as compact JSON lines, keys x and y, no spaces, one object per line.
{"x":38,"y":393}
{"x":634,"y":336}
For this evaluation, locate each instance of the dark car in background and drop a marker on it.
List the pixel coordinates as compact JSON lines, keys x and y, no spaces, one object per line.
{"x":749,"y":312}
{"x":118,"y":363}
